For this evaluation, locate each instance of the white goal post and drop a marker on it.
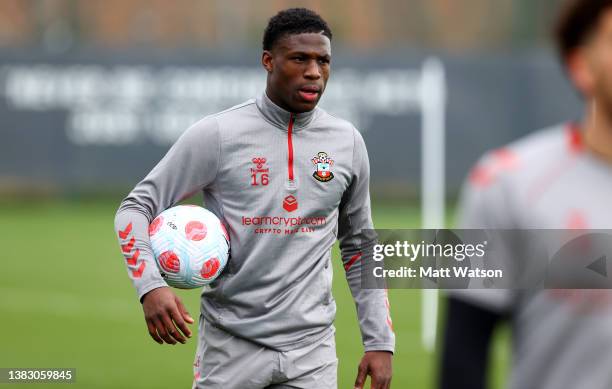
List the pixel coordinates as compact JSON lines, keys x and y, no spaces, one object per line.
{"x":433,"y":94}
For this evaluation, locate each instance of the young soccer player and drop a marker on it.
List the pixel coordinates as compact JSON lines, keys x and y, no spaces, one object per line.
{"x":287,"y":179}
{"x":558,"y":178}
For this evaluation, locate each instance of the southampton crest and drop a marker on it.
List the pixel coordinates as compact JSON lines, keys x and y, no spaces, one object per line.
{"x":323,"y":164}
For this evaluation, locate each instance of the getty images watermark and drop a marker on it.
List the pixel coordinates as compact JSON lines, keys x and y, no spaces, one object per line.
{"x":413,"y":251}
{"x":487,"y":259}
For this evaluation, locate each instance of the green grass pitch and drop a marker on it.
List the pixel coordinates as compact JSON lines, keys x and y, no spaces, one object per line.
{"x":66,"y":301}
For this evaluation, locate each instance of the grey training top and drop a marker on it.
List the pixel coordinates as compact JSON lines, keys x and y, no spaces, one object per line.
{"x":548,"y":180}
{"x":286,"y":186}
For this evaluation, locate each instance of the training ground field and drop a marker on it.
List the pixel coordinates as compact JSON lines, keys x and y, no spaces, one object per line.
{"x":66,"y":301}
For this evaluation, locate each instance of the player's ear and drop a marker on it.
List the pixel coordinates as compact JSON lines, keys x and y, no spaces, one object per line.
{"x":580,"y":71}
{"x":266,"y":61}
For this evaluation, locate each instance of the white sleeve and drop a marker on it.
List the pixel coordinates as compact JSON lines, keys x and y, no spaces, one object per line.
{"x":189,"y":166}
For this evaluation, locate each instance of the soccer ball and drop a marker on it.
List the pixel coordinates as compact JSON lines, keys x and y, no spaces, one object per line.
{"x":190,"y":244}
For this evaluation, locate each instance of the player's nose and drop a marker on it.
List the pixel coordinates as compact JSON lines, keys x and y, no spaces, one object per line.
{"x":313,"y":71}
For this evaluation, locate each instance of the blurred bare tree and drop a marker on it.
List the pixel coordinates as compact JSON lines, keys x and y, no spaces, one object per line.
{"x":360,"y":24}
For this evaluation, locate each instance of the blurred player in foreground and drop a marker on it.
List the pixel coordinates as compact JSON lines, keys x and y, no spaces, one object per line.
{"x":288,"y":179}
{"x":558,"y":178}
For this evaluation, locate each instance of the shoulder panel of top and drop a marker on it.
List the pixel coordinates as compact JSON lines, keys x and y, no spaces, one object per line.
{"x":329,"y":120}
{"x":529,"y":155}
{"x":246,"y":105}
{"x":545,"y":144}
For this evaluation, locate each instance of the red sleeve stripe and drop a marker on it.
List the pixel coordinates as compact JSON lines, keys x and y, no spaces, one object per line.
{"x":127,"y":248}
{"x":134,"y":258}
{"x":389,"y":321}
{"x":353,"y":259}
{"x":137,"y":273}
{"x":124,"y":234}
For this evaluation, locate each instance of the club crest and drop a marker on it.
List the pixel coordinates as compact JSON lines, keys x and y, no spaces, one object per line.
{"x":323,"y":164}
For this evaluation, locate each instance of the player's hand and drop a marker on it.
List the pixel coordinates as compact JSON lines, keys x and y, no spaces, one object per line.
{"x":376,"y":364}
{"x":165,"y":315}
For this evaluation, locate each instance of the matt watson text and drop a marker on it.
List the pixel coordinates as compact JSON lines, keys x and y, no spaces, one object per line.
{"x":431,"y":272}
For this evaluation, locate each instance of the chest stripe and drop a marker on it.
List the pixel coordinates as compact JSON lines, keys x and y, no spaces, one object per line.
{"x":290,"y":146}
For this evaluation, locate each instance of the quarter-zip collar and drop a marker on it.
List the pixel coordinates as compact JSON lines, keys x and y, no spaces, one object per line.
{"x":281,"y":117}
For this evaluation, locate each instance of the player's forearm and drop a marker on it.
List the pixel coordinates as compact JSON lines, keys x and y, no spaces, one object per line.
{"x":372,"y":304}
{"x":132,"y":232}
{"x":374,"y":319}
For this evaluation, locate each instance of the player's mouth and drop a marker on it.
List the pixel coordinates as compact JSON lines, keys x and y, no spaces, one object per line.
{"x":309,"y":93}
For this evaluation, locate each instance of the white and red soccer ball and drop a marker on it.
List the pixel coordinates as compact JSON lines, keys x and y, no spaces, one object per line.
{"x":190,"y":244}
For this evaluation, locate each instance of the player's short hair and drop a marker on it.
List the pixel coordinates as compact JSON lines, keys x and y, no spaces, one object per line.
{"x":576,"y":22}
{"x":293,"y":21}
